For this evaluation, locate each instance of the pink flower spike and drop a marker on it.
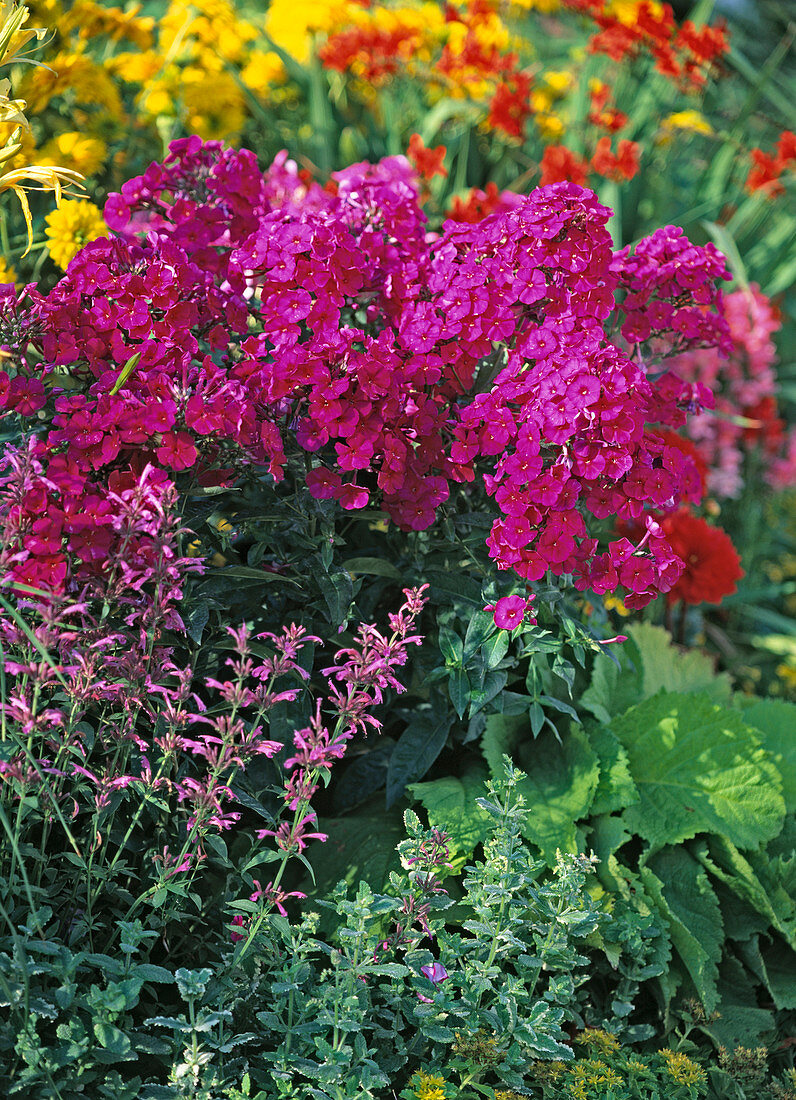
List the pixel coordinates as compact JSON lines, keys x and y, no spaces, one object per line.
{"x":510,"y":612}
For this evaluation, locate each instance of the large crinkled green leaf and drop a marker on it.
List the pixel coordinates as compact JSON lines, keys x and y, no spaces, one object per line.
{"x":616,"y":788}
{"x":686,"y":899}
{"x":780,"y":964}
{"x":606,"y":835}
{"x":451,"y":805}
{"x":739,"y":1021}
{"x":613,"y":688}
{"x":666,"y":667}
{"x":560,"y":778}
{"x":649,"y":663}
{"x":698,"y":768}
{"x":754,"y":878}
{"x":776,"y":721}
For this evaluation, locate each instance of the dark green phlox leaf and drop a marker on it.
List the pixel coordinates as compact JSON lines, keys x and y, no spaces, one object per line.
{"x":494,"y":649}
{"x":451,"y":646}
{"x":338,"y":592}
{"x":560,"y":778}
{"x":775,"y":721}
{"x":494,"y":682}
{"x":681,"y":888}
{"x":480,"y":628}
{"x":375,"y":567}
{"x":365,"y":775}
{"x":452,"y":804}
{"x":565,"y":670}
{"x":698,"y":768}
{"x":196,"y":618}
{"x":537,"y":719}
{"x":454,"y":587}
{"x":559,"y":705}
{"x":616,"y":789}
{"x":416,"y":750}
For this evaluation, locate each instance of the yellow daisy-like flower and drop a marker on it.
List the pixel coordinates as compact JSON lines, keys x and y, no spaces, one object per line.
{"x":263,"y":70}
{"x":690,"y":120}
{"x":77,"y":151}
{"x":428,"y":1087}
{"x":71,"y":227}
{"x":7,"y":273}
{"x":217,"y":117}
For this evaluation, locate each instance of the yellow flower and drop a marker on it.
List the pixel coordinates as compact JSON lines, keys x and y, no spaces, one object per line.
{"x":690,"y":120}
{"x":7,"y":273}
{"x":76,"y":151}
{"x":544,"y":6}
{"x":428,"y":1087}
{"x":22,"y":138}
{"x":91,"y":19}
{"x":135,"y":67}
{"x":613,"y":603}
{"x":217,"y":116}
{"x":626,"y":11}
{"x":604,"y":1042}
{"x":291,"y":24}
{"x":72,"y":72}
{"x":558,"y":83}
{"x":682,"y":1069}
{"x":263,"y":70}
{"x":71,"y":227}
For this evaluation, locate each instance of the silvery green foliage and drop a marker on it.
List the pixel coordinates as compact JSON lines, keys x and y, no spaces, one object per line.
{"x":348,"y":1018}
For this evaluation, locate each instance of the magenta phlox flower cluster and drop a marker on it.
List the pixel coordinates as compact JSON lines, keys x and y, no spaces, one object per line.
{"x":271,"y":314}
{"x":671,"y":292}
{"x":745,"y":386}
{"x":568,"y":413}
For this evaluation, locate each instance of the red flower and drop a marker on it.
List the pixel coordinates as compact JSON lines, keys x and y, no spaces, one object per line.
{"x":559,"y":163}
{"x":620,"y":166}
{"x":428,"y":162}
{"x":712,"y":565}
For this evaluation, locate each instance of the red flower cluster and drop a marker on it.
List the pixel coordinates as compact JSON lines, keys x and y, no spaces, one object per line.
{"x":618,"y":166}
{"x":559,"y":163}
{"x":767,"y":169}
{"x":510,"y":107}
{"x":712,"y":565}
{"x":685,"y":53}
{"x":428,"y":162}
{"x":372,"y":53}
{"x":479,"y":204}
{"x":604,"y":114}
